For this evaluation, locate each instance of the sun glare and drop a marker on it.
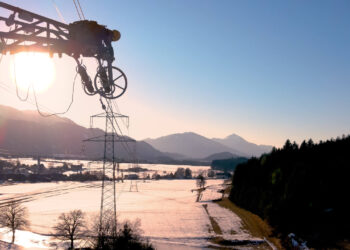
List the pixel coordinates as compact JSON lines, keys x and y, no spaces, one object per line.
{"x":33,"y":69}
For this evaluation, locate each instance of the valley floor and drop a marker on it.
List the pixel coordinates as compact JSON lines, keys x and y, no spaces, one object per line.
{"x":170,"y":218}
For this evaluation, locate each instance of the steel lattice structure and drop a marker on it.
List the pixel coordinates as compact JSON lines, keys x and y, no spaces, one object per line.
{"x":30,"y":32}
{"x":108,"y":210}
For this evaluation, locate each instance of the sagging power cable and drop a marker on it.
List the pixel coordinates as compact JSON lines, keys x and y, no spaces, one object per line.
{"x":15,"y":78}
{"x":11,"y":92}
{"x":58,"y":113}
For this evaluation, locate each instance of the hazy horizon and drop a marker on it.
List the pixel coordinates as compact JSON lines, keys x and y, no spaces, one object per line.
{"x":267,"y":72}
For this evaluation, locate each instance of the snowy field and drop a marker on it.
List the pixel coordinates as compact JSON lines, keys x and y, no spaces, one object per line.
{"x":161,"y":169}
{"x":169,"y":215}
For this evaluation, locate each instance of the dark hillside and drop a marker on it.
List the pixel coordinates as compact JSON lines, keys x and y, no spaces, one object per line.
{"x":227,"y":164}
{"x":26,"y":133}
{"x":303,"y":190}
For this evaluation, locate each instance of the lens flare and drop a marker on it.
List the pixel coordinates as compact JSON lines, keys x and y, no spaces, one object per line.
{"x":33,"y":69}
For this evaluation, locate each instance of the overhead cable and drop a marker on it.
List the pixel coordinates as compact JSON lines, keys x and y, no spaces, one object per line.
{"x":59,"y":113}
{"x":17,"y":92}
{"x":81,"y":10}
{"x":59,"y":13}
{"x":76,"y":7}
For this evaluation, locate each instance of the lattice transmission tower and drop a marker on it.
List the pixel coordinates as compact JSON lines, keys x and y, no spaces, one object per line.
{"x":108,"y":209}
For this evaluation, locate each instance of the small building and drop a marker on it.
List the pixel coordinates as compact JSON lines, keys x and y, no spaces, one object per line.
{"x":131,"y":177}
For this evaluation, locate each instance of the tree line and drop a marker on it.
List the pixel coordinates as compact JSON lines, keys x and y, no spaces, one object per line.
{"x":300,"y":189}
{"x":227,"y":164}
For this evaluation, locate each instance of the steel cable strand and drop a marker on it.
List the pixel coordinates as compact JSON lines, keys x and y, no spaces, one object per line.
{"x":58,"y":113}
{"x":17,"y":92}
{"x":81,"y":10}
{"x":125,"y":146}
{"x":76,"y":7}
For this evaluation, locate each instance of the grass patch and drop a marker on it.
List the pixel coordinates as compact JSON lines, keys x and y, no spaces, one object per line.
{"x":252,"y":223}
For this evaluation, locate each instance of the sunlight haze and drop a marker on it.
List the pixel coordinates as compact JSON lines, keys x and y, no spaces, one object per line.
{"x":266,"y":71}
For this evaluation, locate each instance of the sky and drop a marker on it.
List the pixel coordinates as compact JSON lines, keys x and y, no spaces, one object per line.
{"x":265,"y":70}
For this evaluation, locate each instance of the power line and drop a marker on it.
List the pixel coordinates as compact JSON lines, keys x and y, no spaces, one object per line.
{"x":113,"y":120}
{"x":30,"y":101}
{"x":114,"y":102}
{"x":58,"y":11}
{"x":76,"y":7}
{"x":37,"y":104}
{"x":132,"y":153}
{"x":58,"y":113}
{"x":81,"y":10}
{"x":121,"y":133}
{"x":17,"y":93}
{"x":124,"y":144}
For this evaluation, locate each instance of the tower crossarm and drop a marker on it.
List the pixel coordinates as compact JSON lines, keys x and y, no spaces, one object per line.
{"x":34,"y":33}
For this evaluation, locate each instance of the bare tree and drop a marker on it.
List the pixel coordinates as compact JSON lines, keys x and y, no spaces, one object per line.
{"x":103,"y":232}
{"x":14,"y":216}
{"x":124,"y":235}
{"x":201,"y":181}
{"x":70,"y":226}
{"x":201,"y":186}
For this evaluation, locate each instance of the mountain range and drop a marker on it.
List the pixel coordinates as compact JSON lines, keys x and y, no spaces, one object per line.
{"x":28,"y":133}
{"x":194,"y":146}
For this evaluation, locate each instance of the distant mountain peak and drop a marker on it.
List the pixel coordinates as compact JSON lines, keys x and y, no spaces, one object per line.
{"x":25,"y":132}
{"x":234,"y":136}
{"x":190,"y":144}
{"x":239,"y":143}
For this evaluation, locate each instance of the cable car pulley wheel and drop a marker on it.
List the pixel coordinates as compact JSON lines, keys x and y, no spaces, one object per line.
{"x":104,"y":88}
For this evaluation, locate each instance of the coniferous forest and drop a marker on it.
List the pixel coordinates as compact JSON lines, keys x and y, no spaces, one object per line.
{"x":227,"y":164}
{"x":300,"y":189}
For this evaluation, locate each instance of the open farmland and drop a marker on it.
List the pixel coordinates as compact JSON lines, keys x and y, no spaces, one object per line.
{"x":167,"y":209}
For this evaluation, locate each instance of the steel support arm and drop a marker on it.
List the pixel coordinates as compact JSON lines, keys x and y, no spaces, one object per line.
{"x":43,"y":34}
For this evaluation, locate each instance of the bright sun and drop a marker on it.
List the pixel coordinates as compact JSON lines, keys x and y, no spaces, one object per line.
{"x":33,"y":69}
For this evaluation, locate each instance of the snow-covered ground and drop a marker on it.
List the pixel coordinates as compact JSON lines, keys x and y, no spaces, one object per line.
{"x":97,"y":165}
{"x":169,"y":215}
{"x":24,"y":238}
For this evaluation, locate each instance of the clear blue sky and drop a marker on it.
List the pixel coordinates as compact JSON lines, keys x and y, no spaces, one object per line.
{"x":265,"y":70}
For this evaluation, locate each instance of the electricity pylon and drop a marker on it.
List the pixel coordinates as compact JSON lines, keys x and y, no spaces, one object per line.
{"x":108,"y":209}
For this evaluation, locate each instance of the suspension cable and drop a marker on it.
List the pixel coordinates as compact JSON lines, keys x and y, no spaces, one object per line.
{"x":81,"y":10}
{"x":58,"y":113}
{"x":124,"y":144}
{"x":59,"y":13}
{"x":114,"y":102}
{"x":31,"y":101}
{"x":76,"y":7}
{"x":17,"y":92}
{"x":110,"y":109}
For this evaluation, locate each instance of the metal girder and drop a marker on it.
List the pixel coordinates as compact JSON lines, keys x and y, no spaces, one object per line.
{"x":103,"y":115}
{"x":43,"y":34}
{"x":115,"y":138}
